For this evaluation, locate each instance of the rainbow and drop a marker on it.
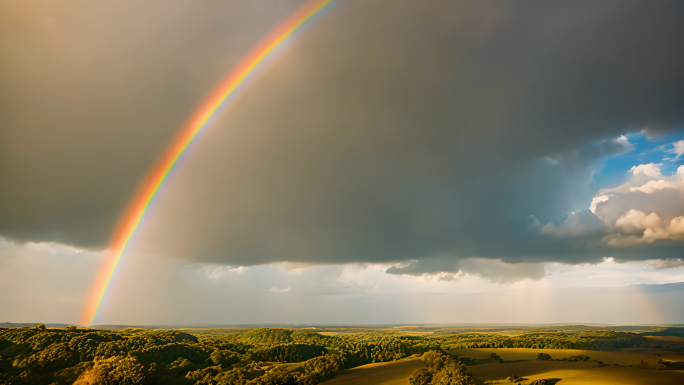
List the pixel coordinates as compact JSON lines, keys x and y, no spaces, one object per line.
{"x":188,"y":134}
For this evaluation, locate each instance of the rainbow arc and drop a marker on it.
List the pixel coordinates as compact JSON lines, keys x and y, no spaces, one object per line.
{"x":187,"y":135}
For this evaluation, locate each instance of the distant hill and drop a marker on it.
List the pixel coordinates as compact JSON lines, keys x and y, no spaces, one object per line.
{"x":23,"y":325}
{"x":666,"y":332}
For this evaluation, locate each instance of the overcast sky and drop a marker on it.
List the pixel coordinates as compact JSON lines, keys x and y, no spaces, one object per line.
{"x":398,"y":162}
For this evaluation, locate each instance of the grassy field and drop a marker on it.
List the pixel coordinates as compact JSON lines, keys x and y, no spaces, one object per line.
{"x":522,"y":362}
{"x":387,"y":373}
{"x":610,"y":358}
{"x":578,"y":373}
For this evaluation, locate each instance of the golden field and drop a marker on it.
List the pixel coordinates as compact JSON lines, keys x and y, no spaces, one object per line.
{"x":620,"y":369}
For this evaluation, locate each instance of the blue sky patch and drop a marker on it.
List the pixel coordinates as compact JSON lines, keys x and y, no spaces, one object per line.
{"x":659,"y":150}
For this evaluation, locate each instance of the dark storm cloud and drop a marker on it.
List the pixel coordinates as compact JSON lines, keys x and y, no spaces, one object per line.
{"x":448,"y":268}
{"x":391,"y":131}
{"x":92,"y":92}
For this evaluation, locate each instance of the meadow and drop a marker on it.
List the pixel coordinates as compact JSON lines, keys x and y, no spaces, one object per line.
{"x":616,"y":368}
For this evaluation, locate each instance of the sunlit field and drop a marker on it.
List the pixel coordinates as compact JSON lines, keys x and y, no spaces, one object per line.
{"x":390,"y":373}
{"x":619,"y":367}
{"x":619,"y":370}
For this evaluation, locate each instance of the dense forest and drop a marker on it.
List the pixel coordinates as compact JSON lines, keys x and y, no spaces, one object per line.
{"x":40,"y":355}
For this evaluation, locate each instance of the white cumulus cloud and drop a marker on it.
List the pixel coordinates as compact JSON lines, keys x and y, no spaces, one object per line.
{"x":649,"y":208}
{"x":678,"y":148}
{"x":650,"y":169}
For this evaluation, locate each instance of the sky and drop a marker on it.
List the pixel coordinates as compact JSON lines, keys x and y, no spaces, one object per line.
{"x":397,"y":162}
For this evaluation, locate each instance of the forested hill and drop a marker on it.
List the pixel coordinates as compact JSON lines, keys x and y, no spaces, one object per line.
{"x":40,"y":355}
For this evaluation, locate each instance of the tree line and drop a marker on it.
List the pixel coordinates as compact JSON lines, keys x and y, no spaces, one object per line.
{"x":32,"y":355}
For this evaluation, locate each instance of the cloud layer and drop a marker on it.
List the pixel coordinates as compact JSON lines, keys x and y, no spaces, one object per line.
{"x":388,"y":133}
{"x":42,"y":282}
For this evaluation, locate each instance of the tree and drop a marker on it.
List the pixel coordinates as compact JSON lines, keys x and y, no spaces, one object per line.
{"x":223,"y":357}
{"x":453,"y":373}
{"x":442,"y":369}
{"x":421,"y":377}
{"x":117,"y":370}
{"x":652,"y":364}
{"x":435,"y":360}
